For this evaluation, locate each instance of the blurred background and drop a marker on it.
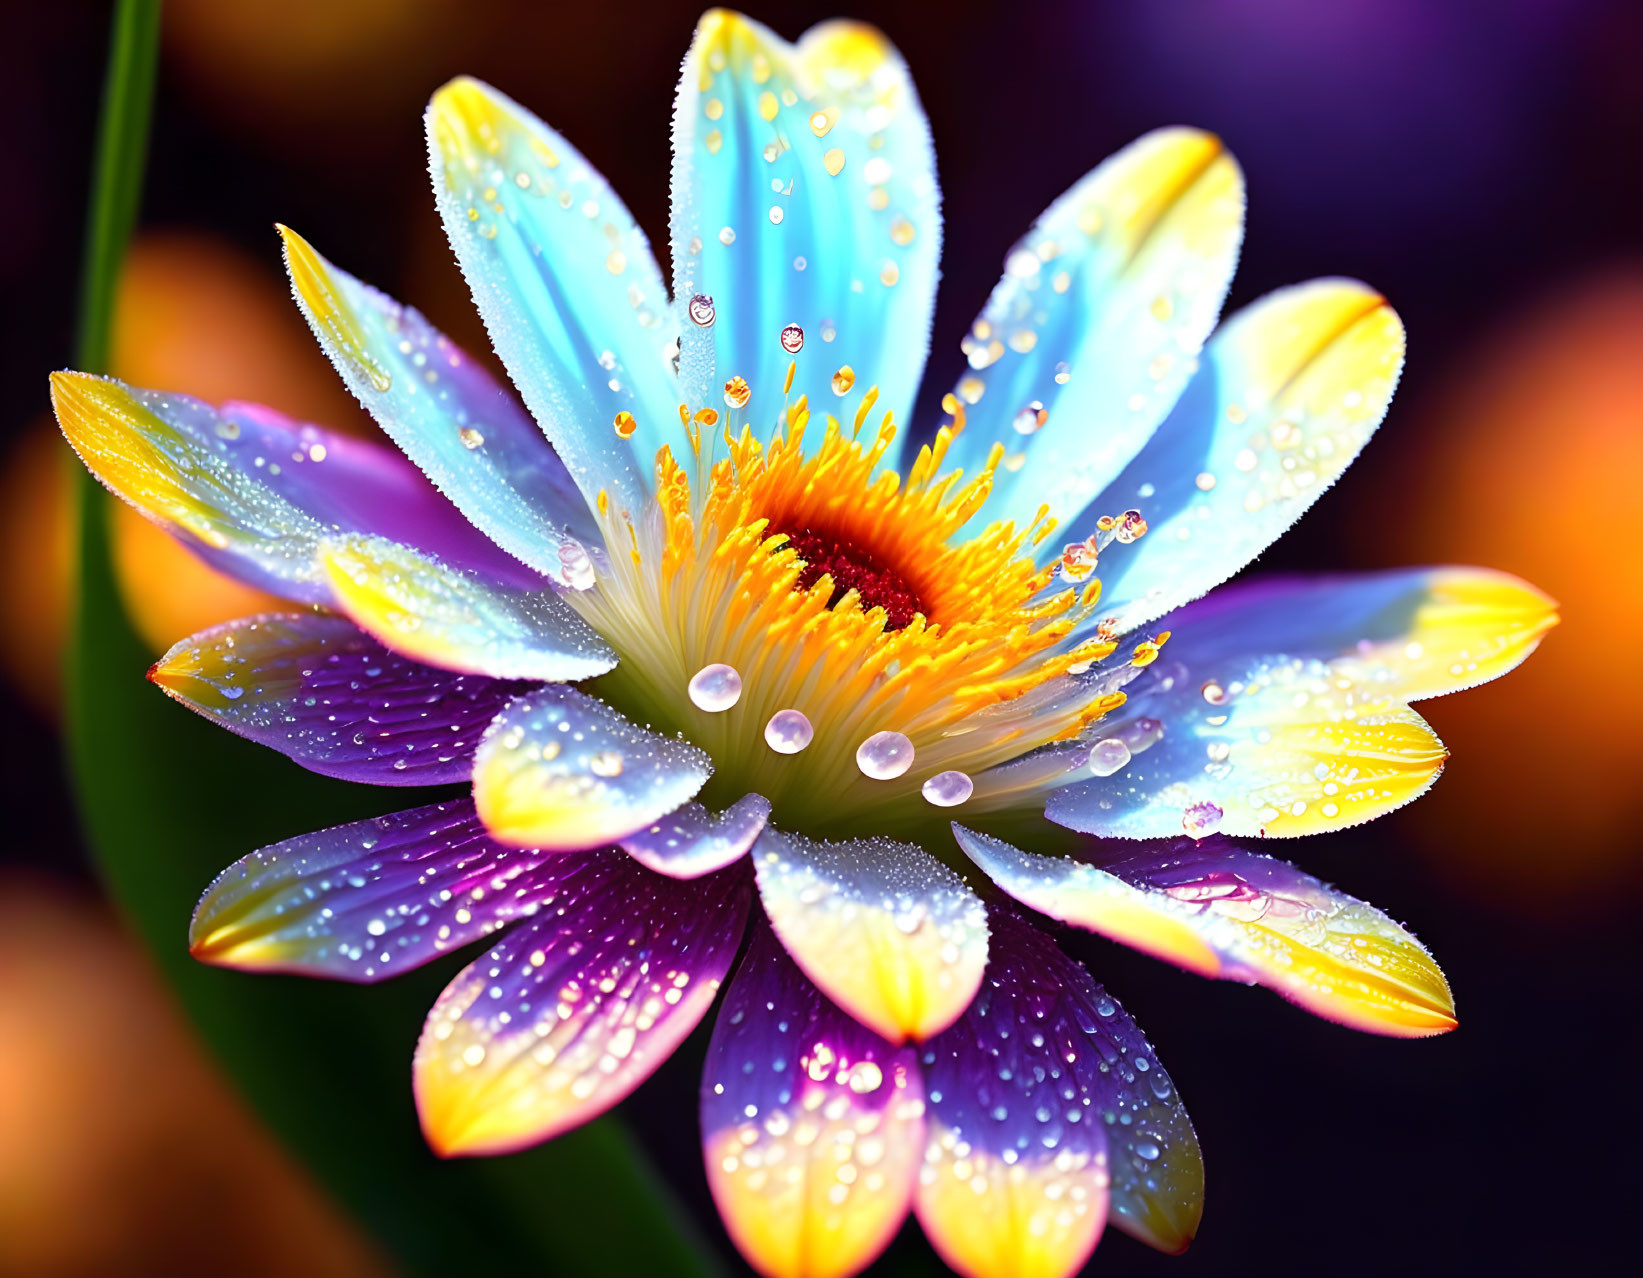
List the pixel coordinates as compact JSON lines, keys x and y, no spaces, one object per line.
{"x":1476,"y":161}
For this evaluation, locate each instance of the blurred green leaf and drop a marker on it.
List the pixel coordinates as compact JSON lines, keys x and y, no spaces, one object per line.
{"x":166,"y":801}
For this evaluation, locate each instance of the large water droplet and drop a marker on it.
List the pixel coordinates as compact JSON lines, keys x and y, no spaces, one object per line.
{"x":1107,"y":756}
{"x":843,"y":380}
{"x":716,"y":688}
{"x":788,"y":732}
{"x":884,"y":755}
{"x":471,"y":438}
{"x":948,"y":789}
{"x":792,"y":339}
{"x":701,"y":309}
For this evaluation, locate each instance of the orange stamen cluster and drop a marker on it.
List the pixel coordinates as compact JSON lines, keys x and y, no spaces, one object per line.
{"x":730,"y":586}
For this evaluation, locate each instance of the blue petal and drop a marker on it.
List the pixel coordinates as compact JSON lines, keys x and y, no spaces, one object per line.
{"x":1098,"y":321}
{"x":468,"y":434}
{"x":565,"y":281}
{"x":804,"y":193}
{"x":1291,"y":388}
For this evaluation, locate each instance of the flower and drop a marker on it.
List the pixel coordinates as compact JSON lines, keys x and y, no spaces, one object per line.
{"x":805,"y":652}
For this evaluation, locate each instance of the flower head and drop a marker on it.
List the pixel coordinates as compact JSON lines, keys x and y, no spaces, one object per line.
{"x":809,"y":635}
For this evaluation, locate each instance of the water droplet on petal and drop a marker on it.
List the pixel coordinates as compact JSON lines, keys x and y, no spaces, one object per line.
{"x":788,"y":732}
{"x":1202,"y":818}
{"x":607,"y":763}
{"x":471,"y":438}
{"x":843,"y":380}
{"x":1214,"y":693}
{"x":737,"y":392}
{"x":884,"y":756}
{"x":1030,"y":418}
{"x":625,"y":425}
{"x":1107,"y":756}
{"x":716,"y":688}
{"x":701,"y":310}
{"x":792,"y":339}
{"x":948,"y":789}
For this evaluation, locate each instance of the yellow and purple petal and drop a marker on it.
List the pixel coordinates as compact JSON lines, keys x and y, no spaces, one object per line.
{"x":1269,"y":745}
{"x":559,"y":769}
{"x":573,"y":1010}
{"x":1044,"y":1102}
{"x":888,"y":932}
{"x":469,"y":434}
{"x":1096,"y":325}
{"x":565,"y":281}
{"x":812,"y":1125}
{"x":432,"y":612}
{"x":256,"y":494}
{"x":1231,"y":914}
{"x":1289,"y":391}
{"x":328,"y":696}
{"x":693,"y":840}
{"x":806,"y":219}
{"x":1402,"y":635}
{"x":368,"y":900}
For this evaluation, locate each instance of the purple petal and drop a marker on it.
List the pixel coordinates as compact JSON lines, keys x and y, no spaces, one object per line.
{"x":368,"y":900}
{"x":1050,"y":1095}
{"x":320,"y":690}
{"x":571,"y":1012}
{"x":256,"y":494}
{"x":812,"y":1125}
{"x":693,"y":841}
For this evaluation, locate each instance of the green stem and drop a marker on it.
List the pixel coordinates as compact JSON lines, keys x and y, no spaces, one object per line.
{"x":166,"y":800}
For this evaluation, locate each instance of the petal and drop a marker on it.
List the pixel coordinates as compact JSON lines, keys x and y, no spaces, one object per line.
{"x":1254,"y":745}
{"x":572,"y":1011}
{"x":565,"y":282}
{"x":558,"y":769}
{"x":1405,"y":634}
{"x":368,"y":900}
{"x":1290,"y":390}
{"x":804,"y":193}
{"x":254,"y":493}
{"x":322,"y":692}
{"x":467,"y":433}
{"x":694,"y":841}
{"x":1235,"y":915}
{"x":1099,"y":319}
{"x":432,"y":613}
{"x":812,"y":1125}
{"x":887,"y":931}
{"x":1043,"y":1099}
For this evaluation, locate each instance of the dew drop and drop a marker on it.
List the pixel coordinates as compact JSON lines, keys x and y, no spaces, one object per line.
{"x":1030,"y":418}
{"x":792,"y":339}
{"x":701,"y":310}
{"x":1107,"y":756}
{"x":737,"y":392}
{"x":788,"y":732}
{"x":607,"y":763}
{"x":948,"y":789}
{"x":843,"y":380}
{"x":1202,"y":818}
{"x":715,"y":688}
{"x":471,"y":438}
{"x":1132,"y":526}
{"x":727,"y":236}
{"x":884,"y":756}
{"x":625,"y":425}
{"x":1214,"y":693}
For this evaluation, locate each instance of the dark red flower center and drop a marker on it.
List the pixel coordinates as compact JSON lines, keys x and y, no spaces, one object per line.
{"x":853,"y":568}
